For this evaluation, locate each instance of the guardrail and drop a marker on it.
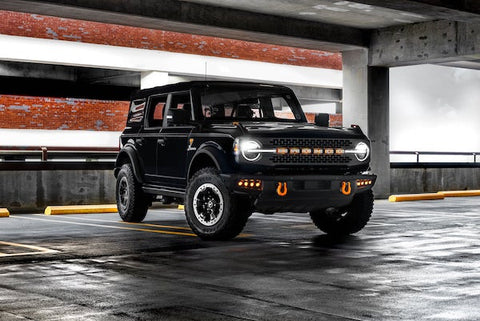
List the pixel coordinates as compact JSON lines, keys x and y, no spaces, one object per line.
{"x":56,"y":157}
{"x":470,"y":161}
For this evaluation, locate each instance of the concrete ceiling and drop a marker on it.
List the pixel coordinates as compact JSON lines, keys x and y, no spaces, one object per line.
{"x":346,"y":13}
{"x":396,"y":32}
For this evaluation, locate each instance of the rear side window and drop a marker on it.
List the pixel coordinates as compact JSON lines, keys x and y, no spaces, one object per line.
{"x":137,"y":111}
{"x":156,"y":111}
{"x":182,"y":100}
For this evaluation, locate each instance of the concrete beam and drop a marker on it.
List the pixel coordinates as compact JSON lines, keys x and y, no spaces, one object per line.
{"x":317,"y":93}
{"x":466,"y":10}
{"x":91,"y":76}
{"x":429,"y":42}
{"x":57,"y":52}
{"x":201,"y":19}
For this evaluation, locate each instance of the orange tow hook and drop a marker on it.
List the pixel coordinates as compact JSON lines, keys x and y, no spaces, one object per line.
{"x":282,"y":189}
{"x":346,"y":188}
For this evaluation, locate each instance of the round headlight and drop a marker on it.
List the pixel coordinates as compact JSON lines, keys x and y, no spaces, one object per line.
{"x":362,"y":151}
{"x":248,"y":149}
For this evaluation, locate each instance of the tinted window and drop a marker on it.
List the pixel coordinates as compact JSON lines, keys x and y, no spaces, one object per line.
{"x":249,"y":103}
{"x":157,"y":110}
{"x":182,"y":101}
{"x":137,"y":111}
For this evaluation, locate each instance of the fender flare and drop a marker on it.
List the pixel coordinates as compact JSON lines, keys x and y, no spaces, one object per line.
{"x":131,"y":153}
{"x":216,"y":154}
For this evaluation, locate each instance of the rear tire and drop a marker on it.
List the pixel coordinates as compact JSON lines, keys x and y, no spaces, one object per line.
{"x":348,"y":220}
{"x":132,"y":203}
{"x":211,"y":211}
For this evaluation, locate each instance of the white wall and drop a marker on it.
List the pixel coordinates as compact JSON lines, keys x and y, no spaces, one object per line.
{"x":61,"y":138}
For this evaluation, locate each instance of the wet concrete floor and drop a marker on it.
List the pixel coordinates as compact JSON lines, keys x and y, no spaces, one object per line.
{"x":414,"y":261}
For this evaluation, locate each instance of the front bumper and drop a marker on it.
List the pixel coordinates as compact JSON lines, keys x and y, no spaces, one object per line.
{"x":300,"y":193}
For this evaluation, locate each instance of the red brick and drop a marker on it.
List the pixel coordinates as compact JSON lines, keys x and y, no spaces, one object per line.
{"x":38,"y":26}
{"x":29,"y":112}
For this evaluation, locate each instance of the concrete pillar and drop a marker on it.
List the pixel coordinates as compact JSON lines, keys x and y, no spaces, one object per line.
{"x":338,"y":107}
{"x":379,"y":127}
{"x":151,"y":79}
{"x":366,"y":103}
{"x":355,"y":89}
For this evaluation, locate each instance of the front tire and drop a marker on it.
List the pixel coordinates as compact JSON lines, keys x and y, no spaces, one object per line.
{"x":348,"y":220}
{"x":132,"y":203}
{"x":211,"y":211}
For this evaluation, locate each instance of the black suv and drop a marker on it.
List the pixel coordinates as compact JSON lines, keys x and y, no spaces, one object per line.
{"x":227,"y":149}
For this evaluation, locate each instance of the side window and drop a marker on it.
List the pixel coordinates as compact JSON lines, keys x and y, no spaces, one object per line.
{"x":181,"y":101}
{"x":156,"y":111}
{"x":137,"y":111}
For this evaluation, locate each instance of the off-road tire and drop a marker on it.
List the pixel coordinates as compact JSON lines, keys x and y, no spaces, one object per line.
{"x":132,"y":203}
{"x":206,"y":184}
{"x":348,"y":220}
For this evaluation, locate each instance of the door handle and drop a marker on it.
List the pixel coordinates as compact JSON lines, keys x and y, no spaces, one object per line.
{"x":161,"y":141}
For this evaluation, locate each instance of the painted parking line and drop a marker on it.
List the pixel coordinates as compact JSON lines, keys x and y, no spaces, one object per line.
{"x":103,"y":225}
{"x":142,"y":224}
{"x":35,"y":249}
{"x":128,"y":223}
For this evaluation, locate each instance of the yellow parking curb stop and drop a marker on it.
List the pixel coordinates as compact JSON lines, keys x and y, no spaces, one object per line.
{"x":416,"y":197}
{"x":181,"y":207}
{"x":81,"y":209}
{"x":460,"y":193}
{"x":4,"y":212}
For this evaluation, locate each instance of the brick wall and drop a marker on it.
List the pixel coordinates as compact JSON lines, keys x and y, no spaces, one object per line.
{"x":335,"y":119}
{"x":38,"y":26}
{"x":26,"y":112}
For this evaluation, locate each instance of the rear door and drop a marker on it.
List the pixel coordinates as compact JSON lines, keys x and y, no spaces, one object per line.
{"x":148,"y":142}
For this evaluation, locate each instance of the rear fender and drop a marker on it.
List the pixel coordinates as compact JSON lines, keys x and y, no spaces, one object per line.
{"x":128,"y":154}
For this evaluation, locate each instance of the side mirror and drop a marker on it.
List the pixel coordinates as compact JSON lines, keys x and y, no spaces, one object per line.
{"x":177,"y":117}
{"x":322,"y":119}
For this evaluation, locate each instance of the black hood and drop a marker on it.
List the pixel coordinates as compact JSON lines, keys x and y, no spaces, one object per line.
{"x":287,"y":129}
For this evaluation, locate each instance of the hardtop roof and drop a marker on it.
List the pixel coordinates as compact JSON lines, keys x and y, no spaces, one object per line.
{"x":191,"y":84}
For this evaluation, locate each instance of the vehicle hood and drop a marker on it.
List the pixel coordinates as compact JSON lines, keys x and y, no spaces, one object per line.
{"x":298,"y":130}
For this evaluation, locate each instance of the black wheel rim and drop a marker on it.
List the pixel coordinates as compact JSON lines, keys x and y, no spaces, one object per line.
{"x":123,"y":193}
{"x":208,"y":204}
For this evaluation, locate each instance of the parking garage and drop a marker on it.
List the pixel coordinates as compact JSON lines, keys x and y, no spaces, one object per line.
{"x":68,"y":71}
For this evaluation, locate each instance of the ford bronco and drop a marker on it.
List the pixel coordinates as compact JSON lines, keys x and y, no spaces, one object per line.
{"x":228,"y":149}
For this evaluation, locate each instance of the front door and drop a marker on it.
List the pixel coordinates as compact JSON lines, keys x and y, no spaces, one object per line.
{"x":173,"y":143}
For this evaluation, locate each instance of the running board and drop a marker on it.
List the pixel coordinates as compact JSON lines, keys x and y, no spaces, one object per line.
{"x":180,"y":193}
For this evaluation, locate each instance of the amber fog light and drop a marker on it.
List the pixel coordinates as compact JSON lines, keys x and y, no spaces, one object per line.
{"x":364,"y":182}
{"x":255,"y":184}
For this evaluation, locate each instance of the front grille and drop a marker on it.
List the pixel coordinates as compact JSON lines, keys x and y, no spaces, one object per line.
{"x":312,"y":143}
{"x":310,"y":159}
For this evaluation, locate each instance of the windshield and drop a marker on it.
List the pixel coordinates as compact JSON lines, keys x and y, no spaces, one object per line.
{"x":256,"y":103}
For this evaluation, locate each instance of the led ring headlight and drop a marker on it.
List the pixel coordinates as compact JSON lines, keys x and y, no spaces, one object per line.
{"x":250,"y":150}
{"x":362,"y":151}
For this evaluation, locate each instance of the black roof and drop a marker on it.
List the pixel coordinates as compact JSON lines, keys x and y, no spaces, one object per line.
{"x":191,"y":84}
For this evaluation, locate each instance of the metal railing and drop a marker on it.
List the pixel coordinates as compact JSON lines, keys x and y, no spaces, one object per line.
{"x":56,"y":157}
{"x":470,"y":160}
